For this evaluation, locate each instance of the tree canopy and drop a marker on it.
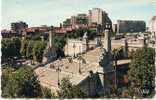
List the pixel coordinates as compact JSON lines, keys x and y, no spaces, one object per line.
{"x":22,"y":83}
{"x":142,"y":69}
{"x":80,"y":32}
{"x":11,"y":47}
{"x":68,"y":90}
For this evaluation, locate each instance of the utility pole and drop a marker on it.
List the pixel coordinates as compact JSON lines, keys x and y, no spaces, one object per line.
{"x":79,"y":58}
{"x":58,"y":72}
{"x":115,"y":71}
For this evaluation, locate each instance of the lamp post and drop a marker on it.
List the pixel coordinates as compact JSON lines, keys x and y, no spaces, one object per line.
{"x":115,"y":71}
{"x":79,"y":58}
{"x":58,"y":72}
{"x":74,"y":49}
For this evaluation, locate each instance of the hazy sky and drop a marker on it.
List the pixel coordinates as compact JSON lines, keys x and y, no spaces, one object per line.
{"x":53,"y":12}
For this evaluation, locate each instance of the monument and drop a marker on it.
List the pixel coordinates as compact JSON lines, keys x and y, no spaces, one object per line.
{"x":85,"y":41}
{"x":50,"y":52}
{"x":106,"y":70}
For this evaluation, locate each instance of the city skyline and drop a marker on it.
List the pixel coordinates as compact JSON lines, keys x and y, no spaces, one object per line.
{"x":50,"y":12}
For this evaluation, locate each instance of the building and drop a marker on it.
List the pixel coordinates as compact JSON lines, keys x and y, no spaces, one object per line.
{"x":99,"y":17}
{"x":81,"y":21}
{"x":152,"y":27}
{"x":130,"y":26}
{"x":75,"y":22}
{"x":18,"y":27}
{"x":114,"y":28}
{"x":74,"y":47}
{"x":7,"y":33}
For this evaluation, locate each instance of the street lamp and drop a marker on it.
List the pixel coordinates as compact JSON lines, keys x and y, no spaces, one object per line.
{"x":74,"y":49}
{"x":79,"y":58}
{"x":58,"y":72}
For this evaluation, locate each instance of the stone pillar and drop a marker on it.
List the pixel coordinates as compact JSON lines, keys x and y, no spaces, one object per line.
{"x":51,"y":36}
{"x":107,"y":41}
{"x":85,"y":40}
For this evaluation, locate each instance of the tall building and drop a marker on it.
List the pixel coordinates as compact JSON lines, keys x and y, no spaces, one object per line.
{"x":18,"y":26}
{"x":152,"y":27}
{"x":114,"y":28}
{"x":99,"y":17}
{"x":130,"y":26}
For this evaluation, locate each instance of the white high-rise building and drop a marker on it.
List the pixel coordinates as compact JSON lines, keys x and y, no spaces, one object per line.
{"x":152,"y":27}
{"x":96,"y":15}
{"x":99,"y":17}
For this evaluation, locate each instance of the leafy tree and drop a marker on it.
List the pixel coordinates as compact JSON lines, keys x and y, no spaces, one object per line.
{"x":46,"y":93}
{"x":24,"y":47}
{"x":38,"y":51}
{"x":20,"y":83}
{"x":67,"y":90}
{"x":80,"y":32}
{"x":29,"y":50}
{"x":142,"y":70}
{"x":17,"y":42}
{"x":10,"y":48}
{"x":59,"y":44}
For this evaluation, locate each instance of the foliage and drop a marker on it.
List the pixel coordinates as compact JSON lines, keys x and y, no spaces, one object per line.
{"x":20,"y":83}
{"x":29,"y":49}
{"x":117,"y":53}
{"x":114,"y":34}
{"x":58,"y":42}
{"x":11,"y":47}
{"x":80,"y":32}
{"x":33,"y":49}
{"x":38,"y":50}
{"x":67,"y":90}
{"x":46,"y":93}
{"x":142,"y":70}
{"x":24,"y":45}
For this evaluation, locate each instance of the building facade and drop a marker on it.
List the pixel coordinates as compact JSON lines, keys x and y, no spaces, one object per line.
{"x":99,"y":17}
{"x":18,"y":26}
{"x":152,"y":27}
{"x":130,"y":26}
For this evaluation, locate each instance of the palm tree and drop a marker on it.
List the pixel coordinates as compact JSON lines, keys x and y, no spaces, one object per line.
{"x":116,"y":54}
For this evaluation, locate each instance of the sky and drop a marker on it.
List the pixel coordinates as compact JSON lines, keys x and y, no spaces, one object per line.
{"x":53,"y":12}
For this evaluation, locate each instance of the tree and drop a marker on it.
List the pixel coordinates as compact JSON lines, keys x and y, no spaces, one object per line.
{"x":20,"y":83}
{"x":142,"y":70}
{"x":46,"y":93}
{"x":67,"y":90}
{"x":38,"y":50}
{"x":17,"y":43}
{"x":24,"y":47}
{"x":10,"y":48}
{"x":80,"y":32}
{"x":29,"y":50}
{"x":117,"y":54}
{"x":59,"y":44}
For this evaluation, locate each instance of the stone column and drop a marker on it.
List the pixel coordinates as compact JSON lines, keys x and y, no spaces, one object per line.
{"x":107,"y":41}
{"x":51,"y":36}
